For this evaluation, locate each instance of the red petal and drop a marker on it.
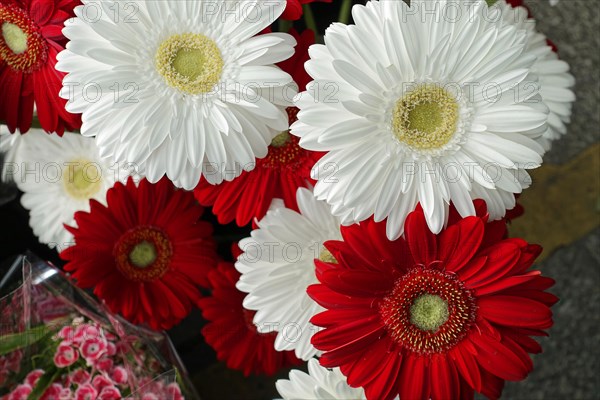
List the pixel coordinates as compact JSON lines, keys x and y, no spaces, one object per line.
{"x":459,"y":243}
{"x":515,"y":311}
{"x":499,"y":359}
{"x":385,"y":385}
{"x":41,"y":11}
{"x":53,"y":32}
{"x":500,"y":259}
{"x":444,"y":379}
{"x":413,"y":382}
{"x":422,"y":243}
{"x":358,"y":283}
{"x":341,"y":335}
{"x":467,"y":367}
{"x":329,"y":299}
{"x":293,"y":11}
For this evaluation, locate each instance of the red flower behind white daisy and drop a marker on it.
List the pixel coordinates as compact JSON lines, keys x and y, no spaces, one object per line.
{"x":285,"y":168}
{"x":293,"y":10}
{"x":230,"y":330}
{"x":431,"y":316}
{"x":145,"y":254}
{"x":30,"y":39}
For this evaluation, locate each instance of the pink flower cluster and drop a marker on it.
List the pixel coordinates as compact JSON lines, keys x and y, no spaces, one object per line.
{"x":157,"y":390}
{"x":92,"y":361}
{"x":89,"y":341}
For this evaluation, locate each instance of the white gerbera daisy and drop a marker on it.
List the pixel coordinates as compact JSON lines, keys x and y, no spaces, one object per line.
{"x":319,"y":384}
{"x":174,"y":86}
{"x":428,"y":108}
{"x":554,"y":78}
{"x":278,"y":265}
{"x":58,"y":177}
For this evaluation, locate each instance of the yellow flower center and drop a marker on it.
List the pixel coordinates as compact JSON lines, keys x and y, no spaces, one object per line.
{"x":190,"y":62}
{"x":143,"y":254}
{"x":281,"y":140}
{"x":428,"y":312}
{"x":327,"y":257}
{"x":22,"y":46}
{"x":82,"y":179}
{"x":425,"y":118}
{"x":14,"y":37}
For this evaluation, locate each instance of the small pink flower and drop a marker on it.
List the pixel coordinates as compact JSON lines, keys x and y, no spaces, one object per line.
{"x":52,"y":393}
{"x":86,"y":392}
{"x":101,"y":381}
{"x":92,"y":349}
{"x":66,"y":333}
{"x":32,"y":377}
{"x":109,"y":393}
{"x":120,"y":375}
{"x":86,"y":332}
{"x":174,"y":392}
{"x":21,"y":392}
{"x":79,"y":376}
{"x":65,"y":394}
{"x":65,"y":355}
{"x":111,"y":348}
{"x":150,"y":396}
{"x":104,"y":364}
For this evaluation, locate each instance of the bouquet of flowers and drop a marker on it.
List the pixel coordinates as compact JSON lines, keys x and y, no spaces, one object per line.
{"x":371,"y":170}
{"x":58,"y":343}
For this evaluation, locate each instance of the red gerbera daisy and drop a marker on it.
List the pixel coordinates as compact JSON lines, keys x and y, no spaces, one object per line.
{"x":431,"y":316}
{"x":30,"y":38}
{"x":286,"y":167}
{"x":293,"y":9}
{"x":231,"y":331}
{"x":145,"y":253}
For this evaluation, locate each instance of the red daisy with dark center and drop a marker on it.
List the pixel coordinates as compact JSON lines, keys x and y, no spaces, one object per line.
{"x":30,"y":39}
{"x":285,"y":168}
{"x":145,"y":254}
{"x":431,"y":316}
{"x":232,"y":333}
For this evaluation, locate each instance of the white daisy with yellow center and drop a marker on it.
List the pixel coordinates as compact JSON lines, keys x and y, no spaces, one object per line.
{"x":433,"y":103}
{"x":277,"y":265}
{"x":319,"y":384}
{"x":58,"y":177}
{"x":181,"y":88}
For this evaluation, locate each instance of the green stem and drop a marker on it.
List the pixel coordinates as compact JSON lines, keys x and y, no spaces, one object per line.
{"x":309,"y":18}
{"x":285,"y":25}
{"x":345,"y":10}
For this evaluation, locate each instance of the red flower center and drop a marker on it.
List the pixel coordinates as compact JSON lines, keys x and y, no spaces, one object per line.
{"x":284,"y":150}
{"x":143,"y":253}
{"x":428,"y":311}
{"x":22,"y":46}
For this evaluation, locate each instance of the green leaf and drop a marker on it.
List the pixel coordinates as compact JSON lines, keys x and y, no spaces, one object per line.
{"x":16,"y":341}
{"x":44,"y":383}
